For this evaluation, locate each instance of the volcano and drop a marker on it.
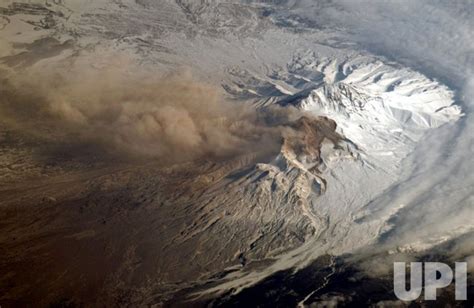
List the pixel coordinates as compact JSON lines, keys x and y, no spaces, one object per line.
{"x":232,"y":153}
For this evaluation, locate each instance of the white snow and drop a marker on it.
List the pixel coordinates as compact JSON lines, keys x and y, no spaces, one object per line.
{"x":384,"y":111}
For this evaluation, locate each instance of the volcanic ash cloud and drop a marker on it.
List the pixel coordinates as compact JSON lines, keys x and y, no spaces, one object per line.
{"x":173,"y":118}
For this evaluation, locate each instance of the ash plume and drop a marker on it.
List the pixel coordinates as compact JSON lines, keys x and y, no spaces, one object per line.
{"x":173,"y":118}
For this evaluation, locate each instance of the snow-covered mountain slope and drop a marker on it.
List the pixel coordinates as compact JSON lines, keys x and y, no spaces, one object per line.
{"x":379,"y":107}
{"x":382,"y":111}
